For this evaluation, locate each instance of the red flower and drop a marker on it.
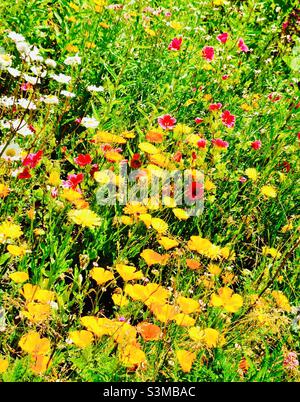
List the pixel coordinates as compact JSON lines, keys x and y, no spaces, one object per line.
{"x":242,"y":46}
{"x":274,"y":98}
{"x":298,"y":135}
{"x":177,"y":156}
{"x":208,"y":53}
{"x":83,"y":160}
{"x":219,"y":143}
{"x":24,"y":174}
{"x":225,"y":77}
{"x":75,"y":179}
{"x":222,"y":37}
{"x":32,"y":160}
{"x":256,"y":145}
{"x":31,"y":128}
{"x":228,"y":119}
{"x":215,"y":106}
{"x":167,"y":122}
{"x":202,"y":143}
{"x":175,"y":44}
{"x":198,"y":120}
{"x":135,"y":162}
{"x":195,"y":191}
{"x":242,"y":179}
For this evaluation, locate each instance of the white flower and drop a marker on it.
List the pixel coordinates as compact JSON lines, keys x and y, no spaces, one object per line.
{"x":26,"y":104}
{"x":72,"y":61}
{"x":94,"y":88}
{"x":14,"y":72}
{"x":5,"y":60}
{"x":50,"y":63}
{"x":61,"y":78}
{"x":4,"y":124}
{"x":16,"y":37}
{"x":23,"y":48}
{"x":68,"y":94}
{"x":38,"y":71}
{"x":32,"y":80}
{"x":34,"y":55}
{"x":50,"y":99}
{"x":21,"y":127}
{"x":89,"y":122}
{"x":6,"y":101}
{"x":12,"y":152}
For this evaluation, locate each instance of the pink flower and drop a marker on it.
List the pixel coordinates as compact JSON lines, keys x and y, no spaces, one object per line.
{"x":208,"y":53}
{"x":242,"y":179}
{"x":167,"y":122}
{"x":201,"y":143}
{"x":228,"y":119}
{"x":291,"y":361}
{"x":54,"y":192}
{"x":175,"y":44}
{"x":83,"y":160}
{"x":219,"y":143}
{"x":223,"y":37}
{"x":32,"y":160}
{"x":225,"y":77}
{"x":198,"y":120}
{"x":26,"y":86}
{"x":215,"y":106}
{"x":256,"y":145}
{"x":242,"y":46}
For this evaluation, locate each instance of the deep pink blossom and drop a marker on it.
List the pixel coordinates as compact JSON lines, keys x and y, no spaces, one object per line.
{"x":219,"y":143}
{"x":32,"y":160}
{"x":199,"y":120}
{"x":175,"y":44}
{"x":208,"y":53}
{"x":228,"y":119}
{"x":202,"y":143}
{"x":167,"y":122}
{"x":256,"y":145}
{"x":215,"y":106}
{"x":242,"y":46}
{"x":223,"y":37}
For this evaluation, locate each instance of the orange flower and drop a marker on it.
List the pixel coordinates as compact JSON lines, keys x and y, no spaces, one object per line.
{"x":128,"y":273}
{"x":33,"y":344}
{"x":40,"y":364}
{"x":193,"y":264}
{"x":101,"y":275}
{"x":82,"y":339}
{"x":163,"y":312}
{"x":149,"y":332}
{"x":154,"y":136}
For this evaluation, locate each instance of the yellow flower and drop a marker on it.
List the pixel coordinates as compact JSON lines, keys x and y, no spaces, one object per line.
{"x":72,"y":48}
{"x":148,"y":294}
{"x":180,"y":214}
{"x":281,"y":300}
{"x":159,"y":225}
{"x":148,"y":148}
{"x":4,"y":190}
{"x":16,"y":251}
{"x":146,"y":219}
{"x":71,"y":195}
{"x":209,"y":336}
{"x":132,"y":355}
{"x":119,"y":299}
{"x":176,"y":25}
{"x":33,"y":344}
{"x":287,"y":227}
{"x":184,"y":320}
{"x":106,"y":137}
{"x":9,"y":230}
{"x":168,"y":243}
{"x":187,"y":305}
{"x":269,"y":191}
{"x":252,"y":173}
{"x":152,"y":257}
{"x":54,"y":178}
{"x":214,"y":269}
{"x":126,"y":220}
{"x":128,"y":273}
{"x":163,"y":312}
{"x":226,"y":299}
{"x":37,"y":312}
{"x":3,"y":365}
{"x":101,"y":275}
{"x":113,"y":156}
{"x":185,"y":359}
{"x":98,"y":326}
{"x":273,"y":252}
{"x":209,"y":185}
{"x":85,"y":217}
{"x":19,"y":277}
{"x":103,"y":177}
{"x":181,"y":129}
{"x":82,"y":339}
{"x":102,"y":24}
{"x":135,"y":208}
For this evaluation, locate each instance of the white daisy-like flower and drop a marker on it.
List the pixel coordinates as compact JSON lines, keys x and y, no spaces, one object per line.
{"x":38,"y":71}
{"x":6,"y":101}
{"x":5,"y":60}
{"x":23,"y":48}
{"x":50,"y":63}
{"x":32,"y":80}
{"x":61,"y":78}
{"x":90,"y":122}
{"x":68,"y":94}
{"x":14,"y":36}
{"x":21,"y":127}
{"x":94,"y":88}
{"x":50,"y":99}
{"x":34,"y":54}
{"x":73,"y":60}
{"x":14,"y":72}
{"x":12,"y":152}
{"x":26,"y":104}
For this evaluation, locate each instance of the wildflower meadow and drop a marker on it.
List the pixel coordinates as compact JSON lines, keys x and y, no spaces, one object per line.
{"x":149,"y":191}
